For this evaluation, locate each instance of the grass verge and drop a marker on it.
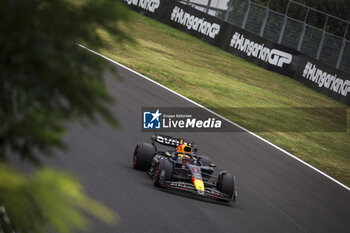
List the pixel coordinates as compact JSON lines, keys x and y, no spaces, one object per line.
{"x":213,"y":77}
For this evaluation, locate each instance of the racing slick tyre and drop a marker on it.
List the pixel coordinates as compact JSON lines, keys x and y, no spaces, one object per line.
{"x":227,"y":185}
{"x":143,"y":156}
{"x":163,"y":173}
{"x":205,"y":160}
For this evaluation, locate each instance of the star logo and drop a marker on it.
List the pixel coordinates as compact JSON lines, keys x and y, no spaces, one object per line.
{"x":151,"y":120}
{"x":156,"y":115}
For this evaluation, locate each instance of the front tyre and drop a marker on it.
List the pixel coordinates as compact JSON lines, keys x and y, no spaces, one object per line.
{"x":143,"y":156}
{"x":205,"y":160}
{"x":227,"y":185}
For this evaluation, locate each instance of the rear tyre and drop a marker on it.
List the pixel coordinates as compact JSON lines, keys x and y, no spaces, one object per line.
{"x":143,"y":156}
{"x":163,"y":173}
{"x":227,"y":185}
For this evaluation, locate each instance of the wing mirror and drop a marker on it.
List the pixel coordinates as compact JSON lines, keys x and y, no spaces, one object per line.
{"x":212,"y":165}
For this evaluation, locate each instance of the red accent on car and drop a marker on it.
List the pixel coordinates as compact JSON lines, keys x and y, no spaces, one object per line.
{"x":159,"y":167}
{"x":177,"y":187}
{"x":137,"y":151}
{"x":193,"y":179}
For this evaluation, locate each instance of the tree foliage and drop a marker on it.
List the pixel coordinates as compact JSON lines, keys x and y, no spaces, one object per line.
{"x":46,"y":78}
{"x":46,"y":201}
{"x":337,"y":8}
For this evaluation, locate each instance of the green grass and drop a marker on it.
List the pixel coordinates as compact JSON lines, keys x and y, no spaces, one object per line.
{"x":215,"y":78}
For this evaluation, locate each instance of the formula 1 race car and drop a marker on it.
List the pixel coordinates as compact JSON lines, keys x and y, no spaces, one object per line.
{"x":183,"y":169}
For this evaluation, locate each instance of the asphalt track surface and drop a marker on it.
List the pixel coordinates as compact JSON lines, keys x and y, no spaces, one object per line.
{"x":276,"y":193}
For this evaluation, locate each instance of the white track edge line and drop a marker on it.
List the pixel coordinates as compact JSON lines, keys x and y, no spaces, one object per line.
{"x":231,"y":122}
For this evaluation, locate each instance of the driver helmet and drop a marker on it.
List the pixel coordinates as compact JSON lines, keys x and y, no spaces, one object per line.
{"x":184,"y":148}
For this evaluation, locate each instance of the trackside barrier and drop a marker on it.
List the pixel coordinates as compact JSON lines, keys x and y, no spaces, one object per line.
{"x":251,"y":47}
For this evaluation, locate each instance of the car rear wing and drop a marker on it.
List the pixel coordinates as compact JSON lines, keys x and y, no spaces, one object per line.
{"x":170,"y":141}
